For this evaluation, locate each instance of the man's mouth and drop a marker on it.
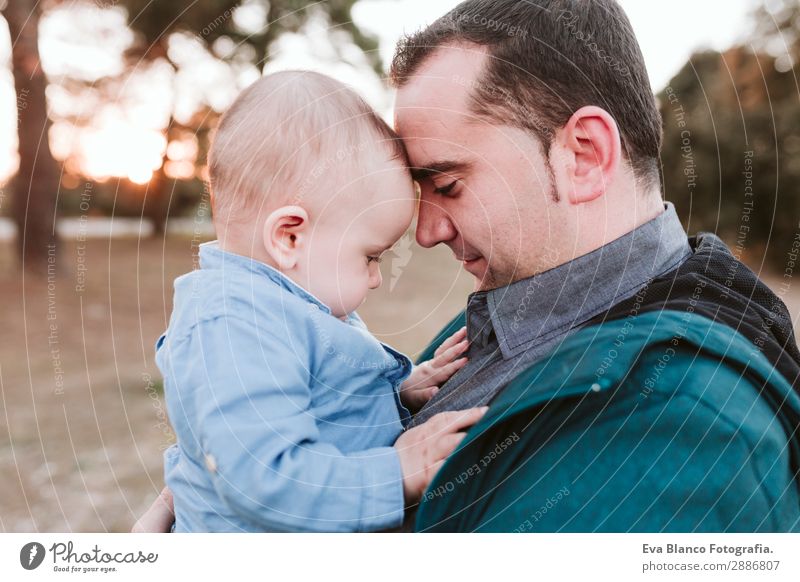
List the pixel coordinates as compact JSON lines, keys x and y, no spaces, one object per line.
{"x":471,"y":265}
{"x":468,"y":258}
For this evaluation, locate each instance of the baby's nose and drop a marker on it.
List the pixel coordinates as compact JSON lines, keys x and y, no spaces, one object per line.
{"x":375,"y":279}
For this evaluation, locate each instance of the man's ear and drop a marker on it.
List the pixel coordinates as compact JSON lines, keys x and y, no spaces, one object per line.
{"x":285,"y":231}
{"x":589,"y":151}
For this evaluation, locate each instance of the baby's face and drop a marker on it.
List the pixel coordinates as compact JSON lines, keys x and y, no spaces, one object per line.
{"x":345,"y":247}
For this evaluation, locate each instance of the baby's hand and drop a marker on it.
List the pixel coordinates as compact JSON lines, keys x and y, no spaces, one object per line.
{"x":426,"y":378}
{"x":424,"y":448}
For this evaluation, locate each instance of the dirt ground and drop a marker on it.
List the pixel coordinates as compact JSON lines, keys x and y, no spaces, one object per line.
{"x":82,"y":421}
{"x":82,"y":417}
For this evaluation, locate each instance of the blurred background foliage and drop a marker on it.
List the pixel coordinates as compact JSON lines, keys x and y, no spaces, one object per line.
{"x":731,"y":155}
{"x":173,"y":67}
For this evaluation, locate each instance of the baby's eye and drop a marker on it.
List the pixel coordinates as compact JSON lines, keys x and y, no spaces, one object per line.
{"x":372,"y":258}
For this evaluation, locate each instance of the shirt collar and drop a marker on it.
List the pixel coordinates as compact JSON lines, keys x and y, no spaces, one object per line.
{"x":213,"y":257}
{"x":538,"y":308}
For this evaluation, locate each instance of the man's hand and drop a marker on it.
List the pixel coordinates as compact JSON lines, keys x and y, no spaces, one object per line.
{"x":423,"y":449}
{"x":159,"y":517}
{"x":426,"y":378}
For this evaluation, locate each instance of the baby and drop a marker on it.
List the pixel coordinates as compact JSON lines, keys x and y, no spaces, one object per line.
{"x":287,"y":410}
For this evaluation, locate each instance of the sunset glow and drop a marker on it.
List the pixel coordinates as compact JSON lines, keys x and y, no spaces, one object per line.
{"x":122,"y":150}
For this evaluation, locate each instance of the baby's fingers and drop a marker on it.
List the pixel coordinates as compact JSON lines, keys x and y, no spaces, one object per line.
{"x":430,"y":472}
{"x":447,"y":444}
{"x":449,"y":354}
{"x":451,"y":341}
{"x":419,"y":397}
{"x":428,"y":393}
{"x":450,"y":369}
{"x":455,"y":421}
{"x":440,"y":451}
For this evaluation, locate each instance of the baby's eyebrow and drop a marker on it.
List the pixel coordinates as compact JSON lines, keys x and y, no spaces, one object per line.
{"x":420,"y":173}
{"x":379,"y":249}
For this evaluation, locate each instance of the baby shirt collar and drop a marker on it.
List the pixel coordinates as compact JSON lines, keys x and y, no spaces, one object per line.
{"x":213,"y":257}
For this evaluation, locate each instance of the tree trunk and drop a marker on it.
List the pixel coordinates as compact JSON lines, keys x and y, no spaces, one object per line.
{"x":158,"y":191}
{"x":156,"y":201}
{"x":36,"y":183}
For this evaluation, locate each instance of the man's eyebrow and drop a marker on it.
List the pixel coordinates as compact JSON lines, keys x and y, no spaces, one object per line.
{"x":420,"y":173}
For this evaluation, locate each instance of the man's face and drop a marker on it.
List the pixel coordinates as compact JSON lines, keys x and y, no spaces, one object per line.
{"x":486,"y":190}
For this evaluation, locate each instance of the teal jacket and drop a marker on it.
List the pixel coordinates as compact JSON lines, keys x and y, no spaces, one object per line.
{"x":661,"y":422}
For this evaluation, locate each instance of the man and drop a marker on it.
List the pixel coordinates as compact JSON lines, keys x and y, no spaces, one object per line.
{"x":637,"y":379}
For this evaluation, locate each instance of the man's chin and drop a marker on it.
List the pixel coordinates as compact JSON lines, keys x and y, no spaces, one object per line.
{"x":475,"y":267}
{"x":487,"y":279}
{"x":484,"y":280}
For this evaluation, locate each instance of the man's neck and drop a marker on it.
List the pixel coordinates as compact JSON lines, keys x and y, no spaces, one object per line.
{"x":611,"y":218}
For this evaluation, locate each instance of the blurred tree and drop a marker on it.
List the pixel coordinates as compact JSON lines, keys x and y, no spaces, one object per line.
{"x":731,"y":159}
{"x":237,"y":33}
{"x":776,"y":29}
{"x":243,"y":28}
{"x":36,"y":183}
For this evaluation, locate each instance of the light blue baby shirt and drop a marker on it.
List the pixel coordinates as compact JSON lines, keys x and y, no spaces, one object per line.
{"x":285,"y":415}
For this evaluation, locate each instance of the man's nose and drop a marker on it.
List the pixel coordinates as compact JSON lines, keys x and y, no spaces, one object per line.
{"x":433,"y":225}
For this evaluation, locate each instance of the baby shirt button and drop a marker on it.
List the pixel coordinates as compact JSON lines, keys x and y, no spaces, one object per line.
{"x":211,"y":463}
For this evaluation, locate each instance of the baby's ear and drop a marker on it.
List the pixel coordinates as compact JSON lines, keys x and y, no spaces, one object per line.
{"x":284,"y":233}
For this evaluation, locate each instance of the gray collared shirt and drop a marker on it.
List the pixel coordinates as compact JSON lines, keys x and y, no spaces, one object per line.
{"x":511,"y":327}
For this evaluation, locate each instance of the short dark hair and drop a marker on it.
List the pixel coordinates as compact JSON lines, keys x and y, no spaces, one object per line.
{"x":547,"y":59}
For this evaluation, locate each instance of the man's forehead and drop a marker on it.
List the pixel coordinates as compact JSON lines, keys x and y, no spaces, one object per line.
{"x":440,"y":86}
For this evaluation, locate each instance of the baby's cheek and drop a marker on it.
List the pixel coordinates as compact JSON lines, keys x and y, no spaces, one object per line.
{"x":353,"y":286}
{"x":360,"y":284}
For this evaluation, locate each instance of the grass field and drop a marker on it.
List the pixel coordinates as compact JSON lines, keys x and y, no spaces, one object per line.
{"x":83,"y":421}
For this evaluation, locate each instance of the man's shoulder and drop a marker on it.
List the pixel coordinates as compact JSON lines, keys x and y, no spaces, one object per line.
{"x":655,"y":351}
{"x":662,"y":407}
{"x":665,"y":363}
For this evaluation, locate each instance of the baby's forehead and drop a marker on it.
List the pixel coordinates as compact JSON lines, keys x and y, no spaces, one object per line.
{"x":376,"y":165}
{"x":379,"y":191}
